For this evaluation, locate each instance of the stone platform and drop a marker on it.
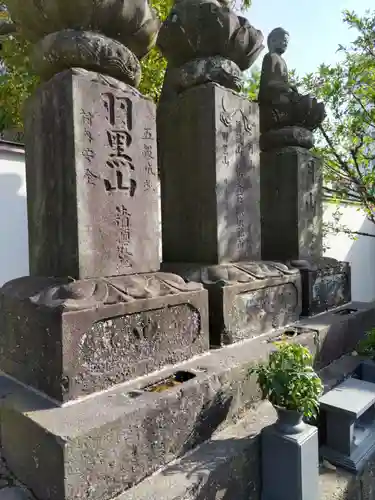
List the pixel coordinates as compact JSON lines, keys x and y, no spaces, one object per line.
{"x":119,"y":437}
{"x":72,"y":338}
{"x":246,"y":299}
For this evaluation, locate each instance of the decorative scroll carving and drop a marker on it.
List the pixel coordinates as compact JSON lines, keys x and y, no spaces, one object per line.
{"x":68,"y":48}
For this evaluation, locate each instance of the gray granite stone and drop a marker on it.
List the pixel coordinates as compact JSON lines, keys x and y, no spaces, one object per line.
{"x":291,"y":204}
{"x":91,"y":177}
{"x":209,"y":165}
{"x":69,"y":339}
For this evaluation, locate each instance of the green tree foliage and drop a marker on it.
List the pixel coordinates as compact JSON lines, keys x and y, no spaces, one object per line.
{"x":251,"y":84}
{"x":347,"y":138}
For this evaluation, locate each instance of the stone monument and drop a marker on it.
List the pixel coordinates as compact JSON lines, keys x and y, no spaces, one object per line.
{"x":291,"y":183}
{"x":95,"y":310}
{"x":209,"y":164}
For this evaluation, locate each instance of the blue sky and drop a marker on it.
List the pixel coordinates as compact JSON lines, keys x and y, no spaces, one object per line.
{"x":316,"y":28}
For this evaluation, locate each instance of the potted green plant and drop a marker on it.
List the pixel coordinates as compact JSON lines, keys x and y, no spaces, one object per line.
{"x":290,"y":383}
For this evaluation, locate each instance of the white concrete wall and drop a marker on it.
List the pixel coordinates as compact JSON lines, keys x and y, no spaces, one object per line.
{"x":14,"y":261}
{"x":14,"y":241}
{"x":360,"y":252}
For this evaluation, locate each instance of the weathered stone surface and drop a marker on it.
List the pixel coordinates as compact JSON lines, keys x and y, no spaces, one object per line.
{"x":291,"y":204}
{"x":67,"y":49}
{"x":286,"y":136}
{"x":204,"y":28}
{"x":72,"y":339}
{"x":326,"y":283}
{"x":247,"y":299}
{"x":134,"y":24}
{"x":91,"y":178}
{"x":209,"y":165}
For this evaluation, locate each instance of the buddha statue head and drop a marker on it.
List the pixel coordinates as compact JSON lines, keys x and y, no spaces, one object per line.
{"x":278,"y":40}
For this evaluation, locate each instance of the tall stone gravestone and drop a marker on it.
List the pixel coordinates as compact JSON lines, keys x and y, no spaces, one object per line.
{"x":95,"y":311}
{"x":291,"y":184}
{"x":209,"y":163}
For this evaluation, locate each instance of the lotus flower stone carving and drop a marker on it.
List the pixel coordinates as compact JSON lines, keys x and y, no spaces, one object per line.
{"x":103,"y":35}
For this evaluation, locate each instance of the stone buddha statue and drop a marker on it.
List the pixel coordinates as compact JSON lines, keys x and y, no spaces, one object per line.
{"x":282,"y":108}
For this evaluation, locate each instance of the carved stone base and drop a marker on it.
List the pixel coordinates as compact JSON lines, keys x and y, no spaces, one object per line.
{"x":68,"y":49}
{"x":326,"y":284}
{"x":286,"y":136}
{"x":70,"y":339}
{"x":246,"y":299}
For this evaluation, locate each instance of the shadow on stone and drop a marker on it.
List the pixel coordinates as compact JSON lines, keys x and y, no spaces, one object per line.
{"x":212,"y":415}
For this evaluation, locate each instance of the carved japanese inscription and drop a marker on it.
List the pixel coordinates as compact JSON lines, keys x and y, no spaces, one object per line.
{"x":310,"y":216}
{"x":118,"y":187}
{"x":238,"y":178}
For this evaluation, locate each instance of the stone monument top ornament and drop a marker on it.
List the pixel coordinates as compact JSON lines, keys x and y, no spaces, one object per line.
{"x":98,"y":35}
{"x":287,"y":118}
{"x":206,"y":41}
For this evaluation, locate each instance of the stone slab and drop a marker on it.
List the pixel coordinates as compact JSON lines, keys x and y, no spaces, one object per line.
{"x":247,"y":299}
{"x":353,"y":397}
{"x":91,"y":171}
{"x":70,"y":339}
{"x":291,"y":204}
{"x":338,"y":331}
{"x":117,"y":438}
{"x":209,"y":166}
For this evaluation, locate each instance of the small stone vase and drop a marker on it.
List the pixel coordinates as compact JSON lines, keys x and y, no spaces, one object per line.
{"x":289,"y":421}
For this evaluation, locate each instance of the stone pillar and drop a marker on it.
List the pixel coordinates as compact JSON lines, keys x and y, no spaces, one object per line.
{"x":291,"y":204}
{"x":211,"y":196}
{"x":290,"y":463}
{"x":208,"y":144}
{"x":291,"y":184}
{"x":91,"y":178}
